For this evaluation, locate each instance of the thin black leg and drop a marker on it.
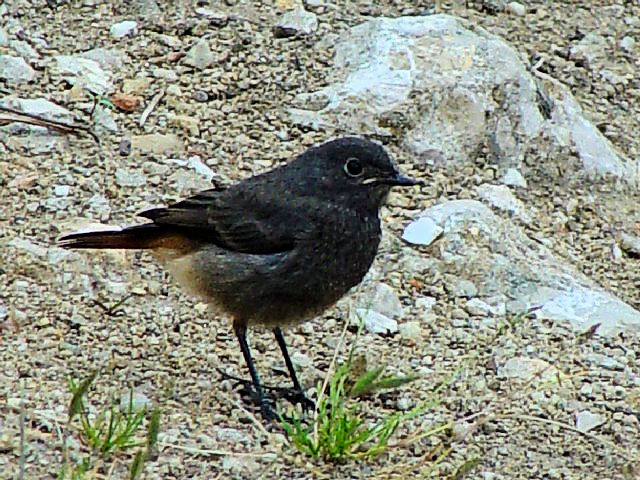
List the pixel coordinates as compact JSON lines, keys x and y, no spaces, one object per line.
{"x":241,"y":332}
{"x":287,"y":360}
{"x":300,"y":396}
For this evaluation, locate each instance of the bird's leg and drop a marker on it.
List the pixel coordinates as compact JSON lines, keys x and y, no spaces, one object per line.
{"x":299,"y":396}
{"x":241,"y":332}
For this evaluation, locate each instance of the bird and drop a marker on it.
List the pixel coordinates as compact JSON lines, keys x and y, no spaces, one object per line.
{"x":275,"y":249}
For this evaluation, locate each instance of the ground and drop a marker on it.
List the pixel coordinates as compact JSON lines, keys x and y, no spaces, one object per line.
{"x":166,"y":346}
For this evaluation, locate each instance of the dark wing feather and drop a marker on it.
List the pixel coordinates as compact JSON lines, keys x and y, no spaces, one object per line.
{"x":229,"y":219}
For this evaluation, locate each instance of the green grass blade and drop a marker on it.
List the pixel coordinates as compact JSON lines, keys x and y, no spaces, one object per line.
{"x":76,"y":405}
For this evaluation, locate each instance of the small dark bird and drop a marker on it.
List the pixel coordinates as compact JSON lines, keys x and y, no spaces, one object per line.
{"x":274,"y":249}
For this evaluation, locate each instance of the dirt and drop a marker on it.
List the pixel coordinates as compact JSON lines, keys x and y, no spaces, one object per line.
{"x":63,"y":317}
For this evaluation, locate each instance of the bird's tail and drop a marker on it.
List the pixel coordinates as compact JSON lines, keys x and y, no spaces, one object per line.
{"x":136,"y":237}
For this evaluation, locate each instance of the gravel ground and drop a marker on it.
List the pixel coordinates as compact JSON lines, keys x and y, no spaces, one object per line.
{"x":163,"y":344}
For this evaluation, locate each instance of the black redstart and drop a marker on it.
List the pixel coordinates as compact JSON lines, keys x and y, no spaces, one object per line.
{"x":274,"y":249}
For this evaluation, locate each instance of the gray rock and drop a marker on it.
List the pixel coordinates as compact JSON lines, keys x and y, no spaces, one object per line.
{"x":61,"y":190}
{"x":461,"y":287}
{"x":165,"y":74}
{"x":123,"y":29}
{"x":15,"y":70}
{"x":375,"y":322}
{"x":200,"y":167}
{"x":107,"y":58}
{"x":200,"y":55}
{"x":24,"y":50}
{"x":514,"y":178}
{"x":585,"y":420}
{"x":27,"y":246}
{"x":630,"y":243}
{"x":103,"y":119}
{"x":506,"y":263}
{"x":38,"y":106}
{"x":410,"y":330}
{"x":296,"y":22}
{"x":4,"y":38}
{"x":516,"y":8}
{"x":451,"y":71}
{"x":425,"y":303}
{"x":85,"y":72}
{"x":421,"y":232}
{"x":590,"y":49}
{"x":170,"y":41}
{"x":385,"y":300}
{"x":478,"y":307}
{"x":501,"y":197}
{"x":524,"y":368}
{"x":130,"y":177}
{"x":216,"y":17}
{"x":628,"y":44}
{"x":138,"y":401}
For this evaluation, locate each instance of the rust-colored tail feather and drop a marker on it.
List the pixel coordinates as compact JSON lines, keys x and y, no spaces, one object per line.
{"x":136,"y":237}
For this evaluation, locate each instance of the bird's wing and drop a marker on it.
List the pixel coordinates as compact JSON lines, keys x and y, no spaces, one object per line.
{"x":230,"y":219}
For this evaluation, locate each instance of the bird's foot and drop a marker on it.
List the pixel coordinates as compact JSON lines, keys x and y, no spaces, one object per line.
{"x":295,"y":396}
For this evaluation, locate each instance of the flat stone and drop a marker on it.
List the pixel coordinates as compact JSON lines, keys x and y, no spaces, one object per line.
{"x":523,"y":368}
{"x":514,"y":178}
{"x":123,"y":29}
{"x":410,"y":330}
{"x":375,"y":322}
{"x":296,"y":22}
{"x":157,"y":143}
{"x":199,"y":55}
{"x":85,"y":72}
{"x":585,"y":420}
{"x":421,"y":232}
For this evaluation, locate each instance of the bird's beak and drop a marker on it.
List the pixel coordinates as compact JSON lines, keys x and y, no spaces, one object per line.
{"x":396,"y":180}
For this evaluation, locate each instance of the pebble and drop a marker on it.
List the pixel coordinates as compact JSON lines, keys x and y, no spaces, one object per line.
{"x":628,"y":44}
{"x":200,"y":96}
{"x":123,"y":29}
{"x":410,"y":330}
{"x":375,"y":322}
{"x":24,"y":50}
{"x":136,"y":86}
{"x":516,"y":8}
{"x":165,"y":74}
{"x":199,"y":55}
{"x":139,"y":402}
{"x":86,"y":72}
{"x":630,"y":243}
{"x":524,"y":368}
{"x":461,"y":287}
{"x":514,"y":178}
{"x":296,"y":22}
{"x":103,"y":119}
{"x":130,"y":177}
{"x":124,"y":148}
{"x":217,"y":18}
{"x":157,"y":143}
{"x":422,"y":231}
{"x":425,"y":304}
{"x":585,"y":420}
{"x":187,"y":123}
{"x":61,"y":190}
{"x":174,"y":90}
{"x":200,"y":167}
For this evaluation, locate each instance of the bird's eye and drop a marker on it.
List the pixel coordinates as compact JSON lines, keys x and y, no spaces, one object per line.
{"x":353,"y":167}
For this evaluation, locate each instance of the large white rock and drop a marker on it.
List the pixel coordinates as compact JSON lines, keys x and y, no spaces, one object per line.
{"x":457,"y":87}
